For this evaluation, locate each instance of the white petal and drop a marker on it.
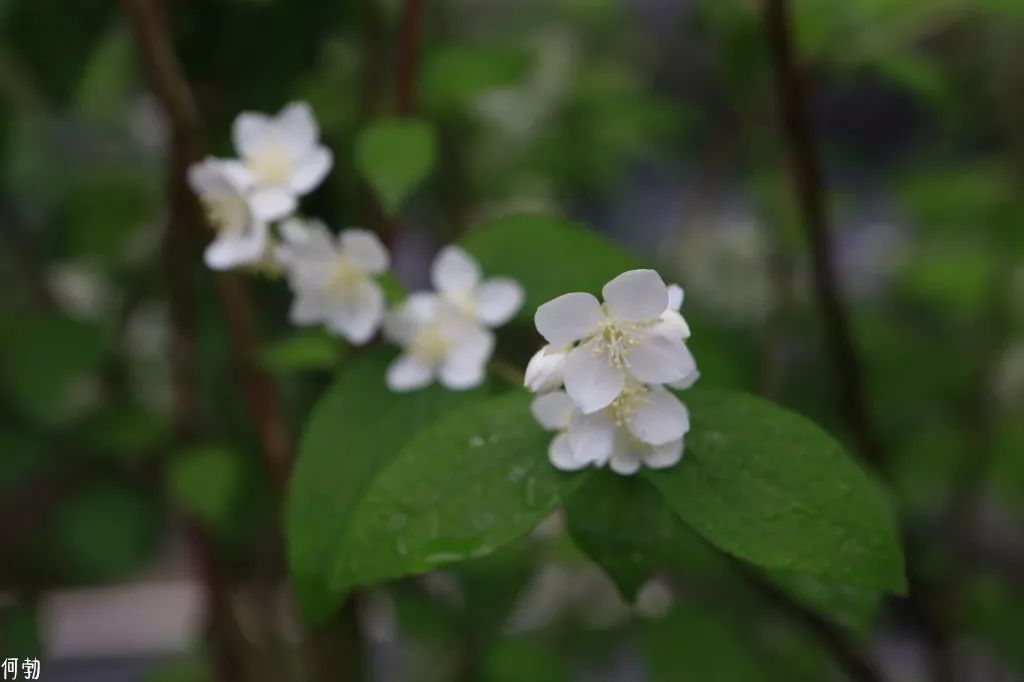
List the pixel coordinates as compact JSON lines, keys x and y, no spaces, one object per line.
{"x":237,"y":173}
{"x":625,"y":461}
{"x":207,"y":177}
{"x":454,"y":271}
{"x":664,"y":456}
{"x":661,"y":418}
{"x":552,"y":410}
{"x":358,"y":315}
{"x":307,"y":308}
{"x":568,"y":318}
{"x":675,"y":297}
{"x":310,"y":170}
{"x":687,"y":381}
{"x":231,"y":249}
{"x":365,"y":249}
{"x":545,"y":369}
{"x":406,"y":373}
{"x":560,"y":454}
{"x":250,"y":131}
{"x":471,"y":343}
{"x":296,"y":128}
{"x":659,"y":359}
{"x":458,"y":373}
{"x":636,"y":295}
{"x":401,"y":323}
{"x":497,"y":300}
{"x":271,"y":203}
{"x":591,"y":437}
{"x":590,"y":380}
{"x":671,"y":324}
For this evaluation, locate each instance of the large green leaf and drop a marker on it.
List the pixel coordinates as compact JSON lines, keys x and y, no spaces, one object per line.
{"x":771,"y":487}
{"x":549,"y":256}
{"x":354,"y":431}
{"x":463,"y":487}
{"x":454,"y":72}
{"x":395,"y":155}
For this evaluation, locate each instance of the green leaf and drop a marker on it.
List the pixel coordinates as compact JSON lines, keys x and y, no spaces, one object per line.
{"x":125,"y":431}
{"x":772,"y":488}
{"x":305,"y":350}
{"x":25,"y":456}
{"x":453,"y":73}
{"x":44,"y":360}
{"x":462,"y":488}
{"x":549,"y":256}
{"x":515,"y":659}
{"x":105,"y":532}
{"x":208,"y":483}
{"x":396,"y":155}
{"x":622,"y":523}
{"x":356,"y":428}
{"x":19,"y":631}
{"x":850,"y":606}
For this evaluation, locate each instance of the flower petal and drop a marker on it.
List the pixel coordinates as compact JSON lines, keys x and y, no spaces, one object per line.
{"x":271,"y":203}
{"x":675,"y":297}
{"x":625,"y":461}
{"x":358,"y":314}
{"x":590,"y":380}
{"x":406,"y":373}
{"x":568,"y":318}
{"x":250,"y":131}
{"x":660,"y":418}
{"x":460,"y":373}
{"x":310,"y":170}
{"x":454,"y":272}
{"x":552,"y":410}
{"x":469,"y":341}
{"x":233,"y":248}
{"x":295,"y":127}
{"x":636,"y":295}
{"x":308,"y":307}
{"x":497,"y":300}
{"x":365,"y":249}
{"x":659,"y":359}
{"x":560,"y":454}
{"x":545,"y":369}
{"x":664,"y":456}
{"x":686,"y":382}
{"x":671,"y":324}
{"x":591,"y":437}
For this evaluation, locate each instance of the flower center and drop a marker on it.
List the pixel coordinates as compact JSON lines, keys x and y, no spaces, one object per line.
{"x":615,"y":339}
{"x":632,"y":397}
{"x":223,"y":211}
{"x":430,"y":344}
{"x":345,"y":277}
{"x":271,"y":163}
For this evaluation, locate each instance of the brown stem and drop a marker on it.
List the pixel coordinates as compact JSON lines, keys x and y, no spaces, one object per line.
{"x":810,"y":191}
{"x":408,"y":57}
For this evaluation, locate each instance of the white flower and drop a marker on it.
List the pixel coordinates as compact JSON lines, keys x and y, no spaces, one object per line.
{"x":333,"y":277}
{"x":626,"y":337}
{"x":456,"y":277}
{"x":545,"y":369}
{"x":438,"y":342}
{"x":644,"y":426}
{"x":241,"y":231}
{"x":281,"y":157}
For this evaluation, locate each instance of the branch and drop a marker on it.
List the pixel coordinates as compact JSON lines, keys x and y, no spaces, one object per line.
{"x":807,"y":180}
{"x":408,"y":57}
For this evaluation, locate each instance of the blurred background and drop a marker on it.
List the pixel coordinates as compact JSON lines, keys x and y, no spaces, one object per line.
{"x":139,"y":519}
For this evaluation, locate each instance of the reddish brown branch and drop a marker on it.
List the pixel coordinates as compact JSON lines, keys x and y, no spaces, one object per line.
{"x":408,"y":57}
{"x":810,"y":191}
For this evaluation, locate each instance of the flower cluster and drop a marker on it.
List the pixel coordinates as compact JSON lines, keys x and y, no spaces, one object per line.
{"x":444,"y":334}
{"x":602,"y":377}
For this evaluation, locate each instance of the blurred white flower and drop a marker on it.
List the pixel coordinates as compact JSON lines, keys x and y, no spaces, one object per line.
{"x":545,"y":369}
{"x":241,"y":231}
{"x":456,"y":277}
{"x":437,"y":341}
{"x":333,"y":278}
{"x":629,"y":336}
{"x":644,"y":426}
{"x":281,"y":157}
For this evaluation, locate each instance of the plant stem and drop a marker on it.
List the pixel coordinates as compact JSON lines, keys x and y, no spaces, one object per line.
{"x":408,"y":57}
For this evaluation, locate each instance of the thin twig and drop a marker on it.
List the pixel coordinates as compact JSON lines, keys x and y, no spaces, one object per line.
{"x":408,"y":57}
{"x":808,"y":185}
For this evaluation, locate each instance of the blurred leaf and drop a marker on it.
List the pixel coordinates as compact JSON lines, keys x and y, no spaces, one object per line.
{"x":549,"y":256}
{"x":356,"y":428}
{"x":19,"y":631}
{"x":43,"y":358}
{"x":304,"y":350}
{"x":454,"y":72}
{"x":995,"y":612}
{"x":698,"y":644}
{"x":515,"y":659}
{"x":125,"y":431}
{"x":396,"y":155}
{"x":207,"y":482}
{"x":105,"y":532}
{"x":106,"y":210}
{"x":623,"y":524}
{"x":461,"y":488}
{"x":24,"y":456}
{"x":191,"y":671}
{"x":491,"y":585}
{"x":771,"y":487}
